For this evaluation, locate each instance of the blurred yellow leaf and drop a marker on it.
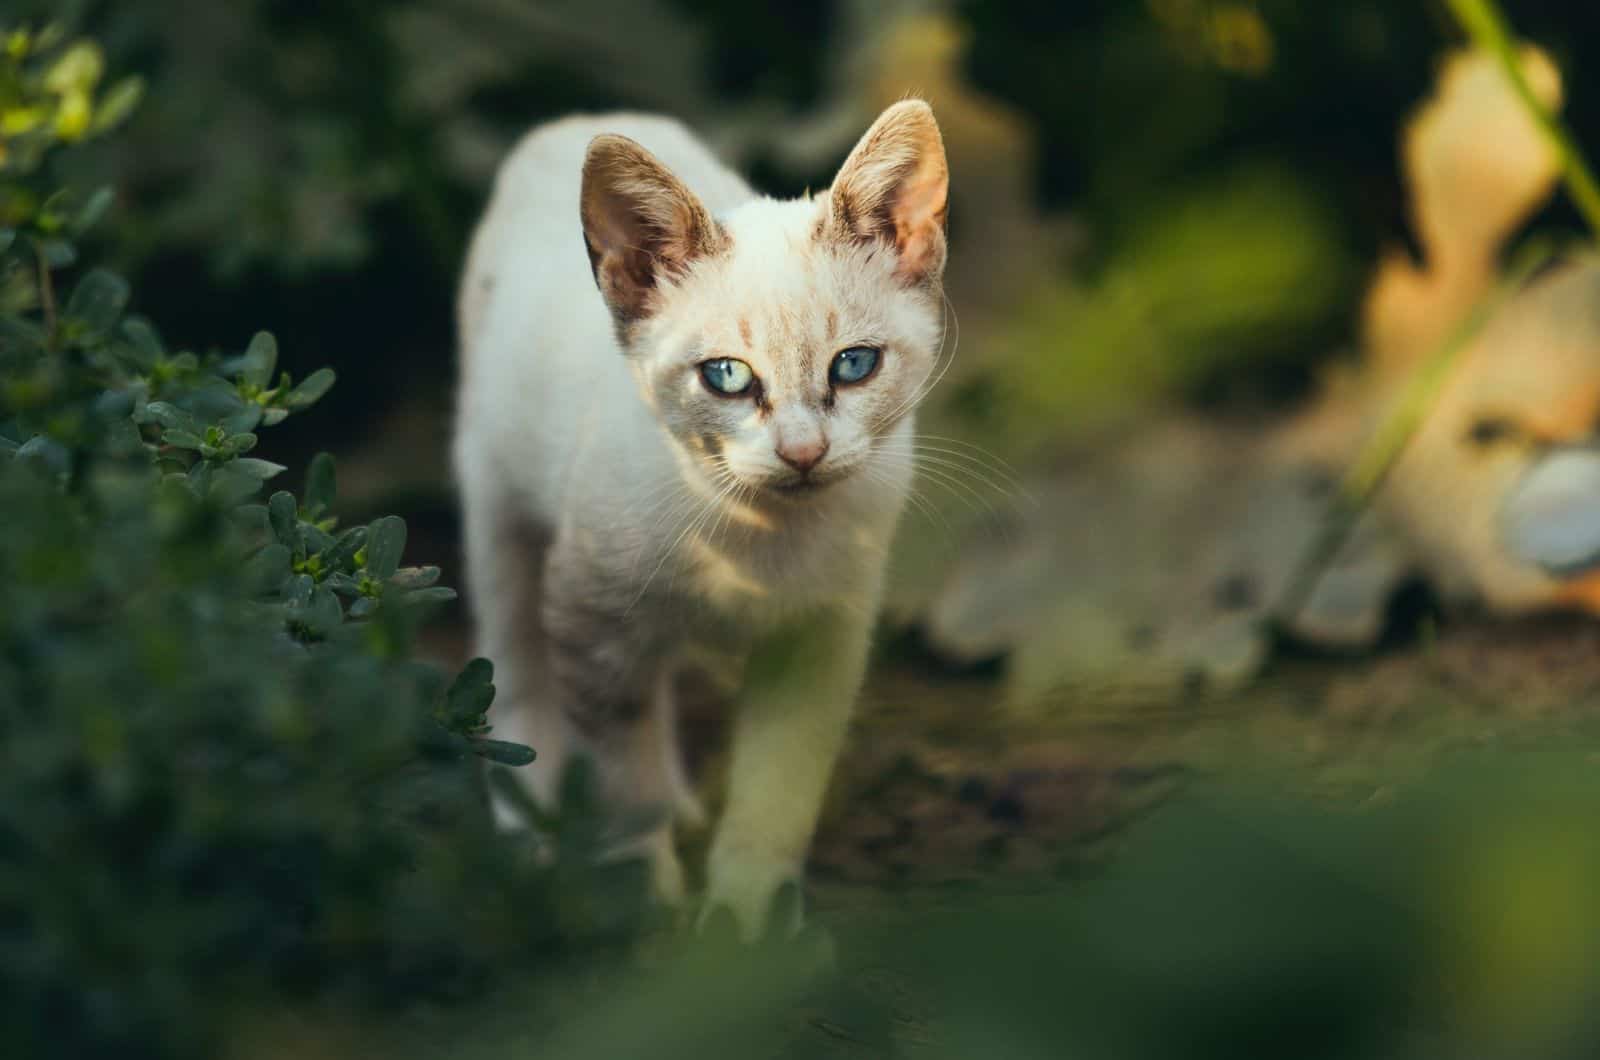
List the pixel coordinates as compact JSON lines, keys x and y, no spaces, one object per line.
{"x":20,"y":120}
{"x":78,"y":69}
{"x":1240,"y":40}
{"x":72,"y":119}
{"x":1209,"y":278}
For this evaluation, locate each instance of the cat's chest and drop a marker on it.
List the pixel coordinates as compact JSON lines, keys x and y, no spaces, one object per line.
{"x":757,"y":577}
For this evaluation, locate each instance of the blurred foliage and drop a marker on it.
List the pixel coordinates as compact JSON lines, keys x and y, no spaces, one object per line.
{"x":224,"y":783}
{"x":302,"y":130}
{"x":316,"y":164}
{"x":49,"y":96}
{"x":1210,"y":279}
{"x":1451,"y":918}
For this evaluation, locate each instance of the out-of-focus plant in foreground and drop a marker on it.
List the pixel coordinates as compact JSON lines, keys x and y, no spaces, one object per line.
{"x":225,"y":785}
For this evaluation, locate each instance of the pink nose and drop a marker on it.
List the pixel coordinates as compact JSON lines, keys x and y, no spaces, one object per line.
{"x":803,"y":455}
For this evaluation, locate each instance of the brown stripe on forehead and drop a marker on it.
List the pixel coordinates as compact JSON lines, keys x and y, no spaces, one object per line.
{"x":833,"y":324}
{"x":789,"y":347}
{"x":745,"y":334}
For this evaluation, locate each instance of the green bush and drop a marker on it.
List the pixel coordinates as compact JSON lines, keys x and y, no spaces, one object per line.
{"x":224,"y":783}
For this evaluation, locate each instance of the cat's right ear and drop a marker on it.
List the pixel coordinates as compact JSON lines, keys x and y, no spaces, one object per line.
{"x":893,"y":189}
{"x":642,"y":226}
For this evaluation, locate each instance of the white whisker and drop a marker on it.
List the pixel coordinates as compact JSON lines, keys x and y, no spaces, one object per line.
{"x":692,"y":518}
{"x":938,"y":373}
{"x":713,"y":507}
{"x":978,"y":473}
{"x":1001,"y":471}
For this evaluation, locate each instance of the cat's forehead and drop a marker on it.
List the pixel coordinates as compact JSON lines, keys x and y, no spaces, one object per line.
{"x":767,"y":230}
{"x":782,"y":279}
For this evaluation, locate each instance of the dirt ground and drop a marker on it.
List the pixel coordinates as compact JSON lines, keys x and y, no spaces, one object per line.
{"x":946,"y":783}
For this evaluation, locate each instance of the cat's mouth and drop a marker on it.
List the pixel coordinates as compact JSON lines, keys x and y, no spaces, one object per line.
{"x":799,"y":487}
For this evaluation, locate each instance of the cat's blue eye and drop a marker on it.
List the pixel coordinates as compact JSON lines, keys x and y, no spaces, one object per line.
{"x":853,"y":365}
{"x":725,"y":375}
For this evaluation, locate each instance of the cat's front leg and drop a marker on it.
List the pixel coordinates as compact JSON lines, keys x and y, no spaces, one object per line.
{"x":794,"y":713}
{"x":607,"y":685}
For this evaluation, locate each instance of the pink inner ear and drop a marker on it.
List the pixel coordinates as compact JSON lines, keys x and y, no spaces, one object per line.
{"x":919,"y":214}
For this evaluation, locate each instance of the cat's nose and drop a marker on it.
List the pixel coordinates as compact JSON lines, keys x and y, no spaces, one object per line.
{"x":803,"y":453}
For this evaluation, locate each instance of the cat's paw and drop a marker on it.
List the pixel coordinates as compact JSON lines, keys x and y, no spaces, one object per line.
{"x":806,"y":946}
{"x":757,"y":899}
{"x":667,"y":878}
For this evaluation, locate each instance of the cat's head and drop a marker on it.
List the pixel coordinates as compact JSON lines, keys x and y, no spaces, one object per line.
{"x":780,"y":343}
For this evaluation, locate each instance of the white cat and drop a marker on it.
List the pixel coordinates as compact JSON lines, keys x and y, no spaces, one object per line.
{"x":698,"y":436}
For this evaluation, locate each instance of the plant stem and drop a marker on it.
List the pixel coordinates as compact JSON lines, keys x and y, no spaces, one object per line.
{"x":1489,"y":30}
{"x":1384,"y":448}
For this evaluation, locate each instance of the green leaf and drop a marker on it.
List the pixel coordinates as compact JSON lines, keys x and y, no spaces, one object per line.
{"x":240,"y":443}
{"x":122,"y":438}
{"x":285,"y":520}
{"x":231,"y":484}
{"x":324,"y":614}
{"x":93,"y":209}
{"x":118,"y":102}
{"x":181,"y":439}
{"x":386,"y":541}
{"x":268,"y":568}
{"x":171,"y":416}
{"x":243,"y":421}
{"x":311,"y":389}
{"x":8,"y":236}
{"x":214,"y":399}
{"x":341,"y":582}
{"x":57,"y":253}
{"x":252,"y":517}
{"x":317,"y":539}
{"x":301,"y":588}
{"x":260,"y":470}
{"x":412,"y":578}
{"x":19,"y":333}
{"x":470,"y":694}
{"x":46,"y":453}
{"x":343,"y":552}
{"x":113,"y":405}
{"x":439,"y":594}
{"x":321,"y":485}
{"x":258,"y":362}
{"x":98,"y":300}
{"x":51,"y":217}
{"x":503,"y":752}
{"x":199,"y":478}
{"x":144,"y":339}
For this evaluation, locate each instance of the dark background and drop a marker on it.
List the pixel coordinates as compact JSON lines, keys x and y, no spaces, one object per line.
{"x":315,"y":168}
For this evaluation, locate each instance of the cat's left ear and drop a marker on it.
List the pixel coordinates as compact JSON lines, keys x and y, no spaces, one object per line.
{"x":642,"y":226}
{"x":894,"y":187}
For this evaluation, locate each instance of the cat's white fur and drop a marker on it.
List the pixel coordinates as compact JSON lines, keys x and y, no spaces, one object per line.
{"x":620,"y":517}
